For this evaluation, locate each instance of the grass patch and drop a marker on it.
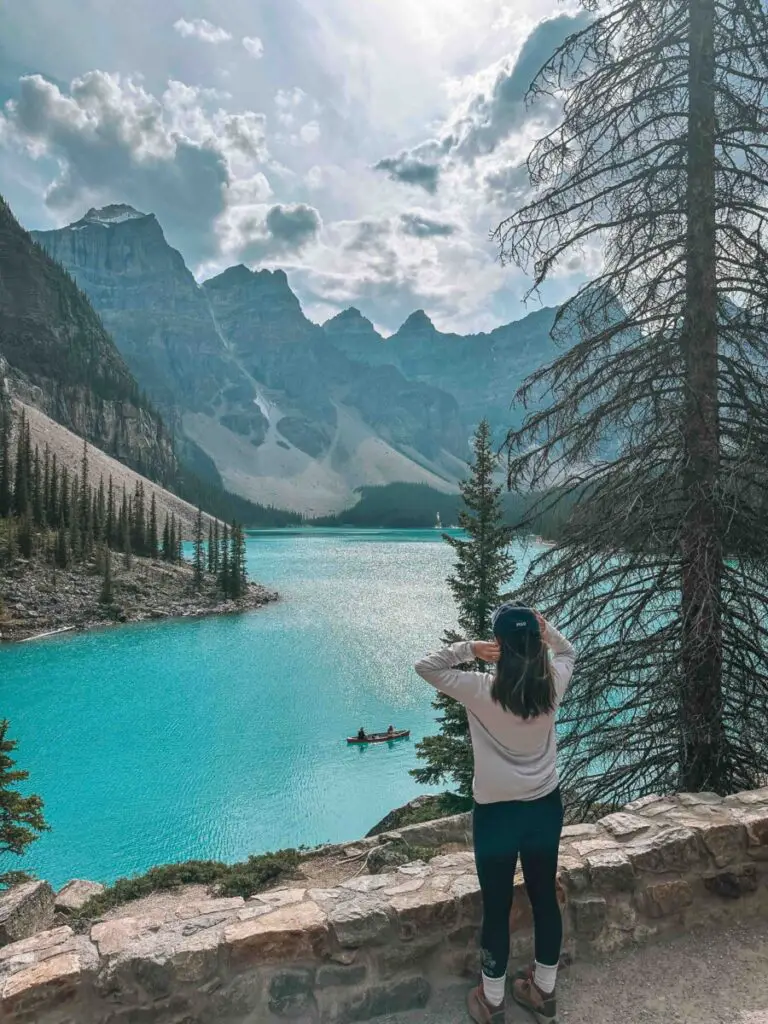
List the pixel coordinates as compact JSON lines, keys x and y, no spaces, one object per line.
{"x":242,"y":879}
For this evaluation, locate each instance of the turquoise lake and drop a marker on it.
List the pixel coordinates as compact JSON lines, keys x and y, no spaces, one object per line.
{"x":225,"y":736}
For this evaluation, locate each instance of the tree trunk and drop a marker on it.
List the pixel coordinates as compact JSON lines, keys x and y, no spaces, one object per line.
{"x":704,"y":762}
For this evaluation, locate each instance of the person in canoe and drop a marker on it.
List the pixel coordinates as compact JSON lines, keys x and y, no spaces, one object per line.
{"x":391,"y":731}
{"x":361,"y":734}
{"x":518,"y":810}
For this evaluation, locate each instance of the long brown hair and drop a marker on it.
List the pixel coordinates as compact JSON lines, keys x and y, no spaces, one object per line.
{"x":523,"y":684}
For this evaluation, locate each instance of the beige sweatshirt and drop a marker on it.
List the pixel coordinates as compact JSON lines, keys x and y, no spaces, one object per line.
{"x":515,"y":758}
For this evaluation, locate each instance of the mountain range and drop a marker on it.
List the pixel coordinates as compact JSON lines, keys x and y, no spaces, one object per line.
{"x":282,"y":410}
{"x":56,"y":355}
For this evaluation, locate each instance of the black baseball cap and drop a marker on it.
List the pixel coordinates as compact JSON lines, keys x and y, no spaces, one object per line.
{"x":511,"y":619}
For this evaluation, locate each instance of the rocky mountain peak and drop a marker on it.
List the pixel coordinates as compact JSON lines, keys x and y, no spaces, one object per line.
{"x":349,"y":320}
{"x":418,"y":321}
{"x":115,"y":213}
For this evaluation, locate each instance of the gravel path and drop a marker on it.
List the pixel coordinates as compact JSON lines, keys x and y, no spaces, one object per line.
{"x":704,"y":978}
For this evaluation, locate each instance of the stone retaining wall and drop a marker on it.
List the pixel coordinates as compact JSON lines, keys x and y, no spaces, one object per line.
{"x":380,"y":943}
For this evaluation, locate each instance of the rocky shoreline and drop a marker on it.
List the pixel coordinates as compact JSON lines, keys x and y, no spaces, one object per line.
{"x":35,"y":600}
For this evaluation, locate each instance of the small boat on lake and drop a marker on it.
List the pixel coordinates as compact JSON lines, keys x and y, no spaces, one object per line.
{"x":381,"y":737}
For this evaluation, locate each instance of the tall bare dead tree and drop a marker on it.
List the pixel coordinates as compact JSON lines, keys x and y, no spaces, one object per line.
{"x":658,"y":414}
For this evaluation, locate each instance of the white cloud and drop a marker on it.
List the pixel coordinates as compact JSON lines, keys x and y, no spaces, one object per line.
{"x":310,"y":132}
{"x":202,"y":29}
{"x":254,"y":46}
{"x":256,"y":232}
{"x":113,"y":140}
{"x":429,"y":90}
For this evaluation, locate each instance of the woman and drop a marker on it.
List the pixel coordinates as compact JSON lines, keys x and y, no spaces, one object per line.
{"x":518,"y":809}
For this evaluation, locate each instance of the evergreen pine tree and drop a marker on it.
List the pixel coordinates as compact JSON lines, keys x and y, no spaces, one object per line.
{"x":6,"y":487}
{"x":211,"y":553}
{"x":106,"y":589}
{"x":216,"y":547}
{"x":25,"y":536}
{"x":124,"y":525}
{"x":180,"y":543}
{"x":234,"y":552}
{"x":242,"y":568}
{"x":152,"y":541}
{"x":62,"y":554}
{"x":54,"y":518}
{"x":100,"y":513}
{"x":173,"y":541}
{"x":167,"y":539}
{"x":21,"y":817}
{"x":75,"y":518}
{"x":65,"y":510}
{"x":199,"y":552}
{"x":22,"y":483}
{"x":224,"y":582}
{"x":37,"y":489}
{"x":482,"y":570}
{"x":85,"y":510}
{"x":46,"y":492}
{"x":110,"y":526}
{"x":139,"y":538}
{"x":127,"y":531}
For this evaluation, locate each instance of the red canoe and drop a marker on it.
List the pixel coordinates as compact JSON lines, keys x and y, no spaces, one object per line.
{"x":381,"y":737}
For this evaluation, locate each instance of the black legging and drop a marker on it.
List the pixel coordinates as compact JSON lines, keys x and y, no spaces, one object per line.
{"x":530,"y":828}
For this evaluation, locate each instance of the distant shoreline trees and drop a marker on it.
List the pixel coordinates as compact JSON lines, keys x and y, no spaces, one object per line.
{"x":68,"y":519}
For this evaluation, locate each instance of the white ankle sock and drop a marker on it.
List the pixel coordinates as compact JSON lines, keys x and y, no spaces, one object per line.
{"x":545,"y":978}
{"x":493,"y":990}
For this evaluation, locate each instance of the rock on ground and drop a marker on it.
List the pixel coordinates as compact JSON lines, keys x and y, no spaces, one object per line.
{"x":76,"y":894}
{"x":24,"y":910}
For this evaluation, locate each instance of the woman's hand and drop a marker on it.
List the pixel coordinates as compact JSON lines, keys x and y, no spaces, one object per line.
{"x":487,"y":651}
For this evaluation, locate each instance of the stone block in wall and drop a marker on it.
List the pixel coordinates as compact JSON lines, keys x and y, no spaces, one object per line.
{"x":584,"y":830}
{"x":425,"y":912}
{"x":698,"y":799}
{"x":671,"y":849}
{"x":610,"y":870}
{"x":413,"y":954}
{"x":44,"y":972}
{"x":361,"y":921}
{"x":733,"y":884}
{"x":588,"y":914}
{"x":756,"y":823}
{"x":297,"y":932}
{"x":726,"y":841}
{"x":749,"y":798}
{"x":573,"y":873}
{"x":466,"y":891}
{"x":24,"y":910}
{"x":624,"y":826}
{"x":663,"y":898}
{"x":291,"y":992}
{"x":397,"y":996}
{"x":75,"y":895}
{"x":340,"y":976}
{"x":651,"y":806}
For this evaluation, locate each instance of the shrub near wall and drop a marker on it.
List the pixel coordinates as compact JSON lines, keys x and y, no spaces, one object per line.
{"x":381,"y":943}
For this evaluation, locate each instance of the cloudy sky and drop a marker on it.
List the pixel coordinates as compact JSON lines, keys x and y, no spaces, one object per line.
{"x":366,"y":146}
